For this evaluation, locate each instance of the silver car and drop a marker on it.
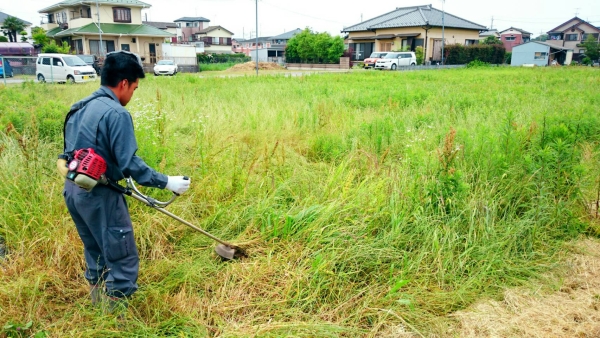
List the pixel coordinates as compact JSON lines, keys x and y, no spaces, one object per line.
{"x":396,"y":59}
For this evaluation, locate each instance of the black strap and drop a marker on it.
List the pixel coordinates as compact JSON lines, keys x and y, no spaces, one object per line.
{"x":71,"y":113}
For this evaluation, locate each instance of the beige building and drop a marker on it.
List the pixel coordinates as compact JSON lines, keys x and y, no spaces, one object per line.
{"x":216,"y":39}
{"x":408,"y":28}
{"x":571,"y":35}
{"x":99,"y":27}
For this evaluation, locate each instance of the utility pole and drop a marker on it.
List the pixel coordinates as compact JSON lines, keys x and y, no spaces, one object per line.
{"x":492,"y":26}
{"x":256,"y":37}
{"x":101,"y":51}
{"x":443,"y":38}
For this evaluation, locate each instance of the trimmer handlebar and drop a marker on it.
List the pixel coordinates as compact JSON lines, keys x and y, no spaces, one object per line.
{"x":149,"y":200}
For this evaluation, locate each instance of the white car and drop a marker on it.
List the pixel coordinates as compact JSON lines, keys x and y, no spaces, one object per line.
{"x":395,"y":60}
{"x":63,"y":68}
{"x":165,"y":67}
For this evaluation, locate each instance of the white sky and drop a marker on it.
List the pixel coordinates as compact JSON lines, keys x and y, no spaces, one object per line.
{"x":278,"y":16}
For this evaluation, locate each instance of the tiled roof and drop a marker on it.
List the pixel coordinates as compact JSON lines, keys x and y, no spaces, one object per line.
{"x":415,"y":16}
{"x":113,"y":29}
{"x":286,"y":35}
{"x":516,"y":29}
{"x":192,"y":19}
{"x":3,"y":17}
{"x":69,"y":3}
{"x":212,"y":28}
{"x":160,"y":25}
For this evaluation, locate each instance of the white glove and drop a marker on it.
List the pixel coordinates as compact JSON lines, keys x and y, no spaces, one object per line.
{"x":178,"y":184}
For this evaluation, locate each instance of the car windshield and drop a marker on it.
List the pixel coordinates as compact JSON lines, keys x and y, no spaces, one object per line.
{"x":391,"y":56}
{"x":378,"y":55}
{"x":87,"y":58}
{"x":165,"y":62}
{"x":74,"y":61}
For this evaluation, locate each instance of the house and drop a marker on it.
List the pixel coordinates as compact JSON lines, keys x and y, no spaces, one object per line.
{"x":3,"y":17}
{"x":270,"y":48}
{"x":540,"y":54}
{"x":188,"y":26}
{"x":169,"y":27}
{"x":491,"y":32}
{"x":98,"y":27}
{"x":513,"y":37}
{"x":216,"y":39}
{"x":572,"y":34}
{"x":407,"y":28}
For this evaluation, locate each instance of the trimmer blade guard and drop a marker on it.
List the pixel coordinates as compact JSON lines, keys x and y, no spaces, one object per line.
{"x":229,"y":252}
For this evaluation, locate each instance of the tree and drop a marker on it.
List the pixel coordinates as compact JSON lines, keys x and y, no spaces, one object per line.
{"x":542,"y":38}
{"x":592,"y":48}
{"x":307,"y":46}
{"x":39,"y":37}
{"x":11,"y":26}
{"x":23,"y":35}
{"x":52,"y":47}
{"x":491,"y":40}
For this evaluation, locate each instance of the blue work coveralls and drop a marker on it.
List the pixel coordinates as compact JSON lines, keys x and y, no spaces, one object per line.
{"x":101,"y":216}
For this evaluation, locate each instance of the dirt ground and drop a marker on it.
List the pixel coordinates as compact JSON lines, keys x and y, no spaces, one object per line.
{"x":242,"y":67}
{"x":572,"y":310}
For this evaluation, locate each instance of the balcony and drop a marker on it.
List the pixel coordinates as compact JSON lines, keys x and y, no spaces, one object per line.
{"x":80,"y":22}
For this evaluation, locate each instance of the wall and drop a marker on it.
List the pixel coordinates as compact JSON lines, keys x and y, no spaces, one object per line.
{"x":524,"y":54}
{"x":509,"y":45}
{"x":106,"y":14}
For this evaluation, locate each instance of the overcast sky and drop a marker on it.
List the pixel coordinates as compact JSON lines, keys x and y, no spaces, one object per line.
{"x":278,"y":16}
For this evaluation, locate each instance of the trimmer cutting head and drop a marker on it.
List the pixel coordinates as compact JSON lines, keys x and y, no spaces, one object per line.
{"x":230,"y":252}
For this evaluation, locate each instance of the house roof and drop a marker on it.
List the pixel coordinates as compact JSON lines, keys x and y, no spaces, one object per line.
{"x":491,"y":32}
{"x":192,"y":19}
{"x":210,"y":29}
{"x":415,"y":16}
{"x":580,"y":21}
{"x":70,"y":3}
{"x":160,"y":25}
{"x":286,"y":35}
{"x":3,"y":17}
{"x":545,"y":44}
{"x":516,"y":29}
{"x":110,"y":29}
{"x":260,"y":39}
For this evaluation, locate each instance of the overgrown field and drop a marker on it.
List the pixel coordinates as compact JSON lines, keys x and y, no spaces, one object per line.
{"x":371,"y":203}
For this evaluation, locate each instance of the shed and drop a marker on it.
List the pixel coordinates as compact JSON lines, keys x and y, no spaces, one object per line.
{"x":540,"y":54}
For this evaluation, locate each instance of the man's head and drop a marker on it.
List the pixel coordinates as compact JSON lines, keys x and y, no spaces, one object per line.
{"x":121,"y":73}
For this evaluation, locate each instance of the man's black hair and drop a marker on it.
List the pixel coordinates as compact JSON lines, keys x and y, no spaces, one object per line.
{"x":118,"y":67}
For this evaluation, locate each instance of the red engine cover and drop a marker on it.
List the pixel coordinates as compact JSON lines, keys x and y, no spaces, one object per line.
{"x":90,"y":163}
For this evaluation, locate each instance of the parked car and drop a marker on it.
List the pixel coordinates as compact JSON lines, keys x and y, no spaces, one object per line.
{"x":5,"y":69}
{"x":165,"y":67}
{"x":395,"y":60}
{"x":370,"y":61}
{"x":91,"y":60}
{"x":63,"y":68}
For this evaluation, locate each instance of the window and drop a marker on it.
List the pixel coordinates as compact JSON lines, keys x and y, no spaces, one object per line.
{"x":510,"y":38}
{"x":46,"y":61}
{"x":582,"y":51}
{"x":50,"y":18}
{"x":195,"y":24}
{"x":107,"y":45}
{"x":215,"y":41}
{"x":179,"y":25}
{"x":55,"y":62}
{"x":125,"y":47}
{"x":585,"y":36}
{"x":121,"y":14}
{"x":556,"y":37}
{"x":540,"y":55}
{"x":386,"y":47}
{"x":471,"y":42}
{"x":572,"y":37}
{"x":61,"y":17}
{"x":188,"y":24}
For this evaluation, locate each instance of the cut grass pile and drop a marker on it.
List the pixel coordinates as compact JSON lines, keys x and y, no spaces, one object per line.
{"x":372,"y":203}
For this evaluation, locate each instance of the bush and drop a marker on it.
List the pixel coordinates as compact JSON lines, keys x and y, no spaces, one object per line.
{"x":477,"y":64}
{"x":459,"y":55}
{"x":52,"y":47}
{"x":419,"y":54}
{"x":508,"y":58}
{"x":205,"y":58}
{"x":3,"y":39}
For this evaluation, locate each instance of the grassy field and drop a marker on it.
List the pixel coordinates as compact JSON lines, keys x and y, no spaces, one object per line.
{"x":371,"y":203}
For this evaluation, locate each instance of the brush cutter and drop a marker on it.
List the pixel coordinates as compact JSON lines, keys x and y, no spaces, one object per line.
{"x":225,"y":250}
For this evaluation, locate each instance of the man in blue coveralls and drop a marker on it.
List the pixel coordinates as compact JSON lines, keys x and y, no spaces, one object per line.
{"x":101,"y":216}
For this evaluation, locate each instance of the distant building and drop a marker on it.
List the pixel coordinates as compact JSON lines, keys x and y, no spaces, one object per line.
{"x":512,"y":37}
{"x":3,"y":17}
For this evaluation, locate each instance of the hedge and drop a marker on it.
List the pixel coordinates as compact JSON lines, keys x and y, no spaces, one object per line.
{"x":459,"y":55}
{"x":223,"y":58}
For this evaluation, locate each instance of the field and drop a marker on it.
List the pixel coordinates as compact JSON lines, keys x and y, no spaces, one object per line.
{"x":373,"y":204}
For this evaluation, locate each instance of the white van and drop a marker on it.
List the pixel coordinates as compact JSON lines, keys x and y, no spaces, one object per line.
{"x":395,"y":60}
{"x":63,"y":68}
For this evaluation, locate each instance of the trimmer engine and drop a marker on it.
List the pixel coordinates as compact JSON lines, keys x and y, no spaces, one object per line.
{"x":86,"y":168}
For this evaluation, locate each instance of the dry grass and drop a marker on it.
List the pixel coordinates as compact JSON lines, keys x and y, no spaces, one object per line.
{"x":570,"y":311}
{"x":251,"y":65}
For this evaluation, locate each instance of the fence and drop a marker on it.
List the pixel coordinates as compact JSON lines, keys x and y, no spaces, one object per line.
{"x":17,"y":68}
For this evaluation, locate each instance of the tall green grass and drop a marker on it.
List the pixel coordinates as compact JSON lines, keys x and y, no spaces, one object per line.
{"x":369,"y":202}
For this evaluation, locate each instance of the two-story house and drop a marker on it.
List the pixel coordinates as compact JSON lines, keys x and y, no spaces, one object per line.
{"x":216,"y":39}
{"x":512,"y":37}
{"x":188,"y":26}
{"x":270,"y":48}
{"x":407,"y":28}
{"x":572,"y":34}
{"x":102,"y":26}
{"x":27,"y":24}
{"x":169,"y":27}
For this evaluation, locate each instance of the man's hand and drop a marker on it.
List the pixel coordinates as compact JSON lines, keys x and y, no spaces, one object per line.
{"x":178,"y":184}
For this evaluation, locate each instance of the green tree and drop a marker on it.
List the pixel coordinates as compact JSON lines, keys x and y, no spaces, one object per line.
{"x":39,"y":36}
{"x":52,"y":47}
{"x":592,"y":48}
{"x":542,"y":38}
{"x":11,"y":26}
{"x":419,"y":53}
{"x":314,"y":47}
{"x":491,"y":40}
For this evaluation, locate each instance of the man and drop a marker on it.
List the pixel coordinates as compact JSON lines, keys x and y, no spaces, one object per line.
{"x":101,"y":216}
